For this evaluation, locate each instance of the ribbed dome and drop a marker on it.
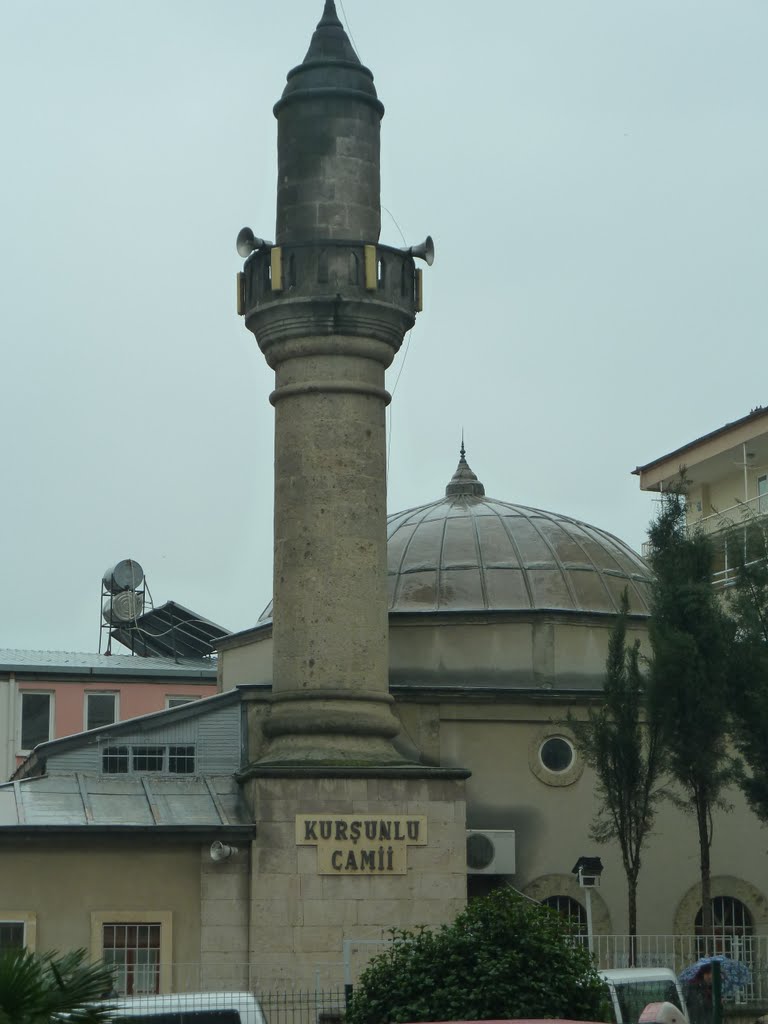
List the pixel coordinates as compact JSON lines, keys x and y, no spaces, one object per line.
{"x":467,"y":552}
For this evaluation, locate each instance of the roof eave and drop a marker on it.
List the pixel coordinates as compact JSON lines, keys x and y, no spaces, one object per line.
{"x":675,"y":458}
{"x":245,"y":832}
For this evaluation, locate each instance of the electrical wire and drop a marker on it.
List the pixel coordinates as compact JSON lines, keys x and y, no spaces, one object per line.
{"x":405,"y":354}
{"x":523,"y":894}
{"x":349,"y":30}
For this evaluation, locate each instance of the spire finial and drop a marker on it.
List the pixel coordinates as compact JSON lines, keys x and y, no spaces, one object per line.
{"x":464,"y":482}
{"x":330,"y":42}
{"x":330,"y":17}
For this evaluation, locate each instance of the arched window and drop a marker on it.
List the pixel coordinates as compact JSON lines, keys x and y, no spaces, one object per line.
{"x":571,"y":910}
{"x":732,"y":928}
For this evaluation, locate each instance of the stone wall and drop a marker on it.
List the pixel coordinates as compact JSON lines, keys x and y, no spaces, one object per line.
{"x":224,"y":893}
{"x":300,"y":918}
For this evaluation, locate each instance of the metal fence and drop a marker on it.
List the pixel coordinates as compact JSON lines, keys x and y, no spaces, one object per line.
{"x":322,"y":1001}
{"x":231,"y":1005}
{"x":678,"y":951}
{"x":323,"y":1006}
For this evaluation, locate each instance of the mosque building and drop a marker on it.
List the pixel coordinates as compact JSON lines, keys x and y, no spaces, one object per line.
{"x":392,"y":735}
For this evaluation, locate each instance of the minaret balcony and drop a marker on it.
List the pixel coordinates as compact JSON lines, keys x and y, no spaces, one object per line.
{"x":329,"y":287}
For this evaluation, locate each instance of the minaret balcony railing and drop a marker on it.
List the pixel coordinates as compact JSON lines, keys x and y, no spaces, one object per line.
{"x":333,"y":269}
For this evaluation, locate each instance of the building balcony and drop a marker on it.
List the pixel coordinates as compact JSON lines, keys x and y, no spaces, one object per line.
{"x":739,"y":533}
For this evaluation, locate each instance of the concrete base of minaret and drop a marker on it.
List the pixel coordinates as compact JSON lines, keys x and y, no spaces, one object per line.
{"x":341,"y":856}
{"x":330,"y":727}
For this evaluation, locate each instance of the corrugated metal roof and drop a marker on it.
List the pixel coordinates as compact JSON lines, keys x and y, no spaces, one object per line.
{"x":80,"y":800}
{"x":69,"y":662}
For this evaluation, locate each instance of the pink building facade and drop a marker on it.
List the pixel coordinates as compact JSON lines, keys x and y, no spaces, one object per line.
{"x":45,"y":695}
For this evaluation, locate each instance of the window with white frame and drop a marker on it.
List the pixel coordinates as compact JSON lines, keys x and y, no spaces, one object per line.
{"x":36,"y":718}
{"x":100,"y":709}
{"x":176,"y":702}
{"x":139,"y":758}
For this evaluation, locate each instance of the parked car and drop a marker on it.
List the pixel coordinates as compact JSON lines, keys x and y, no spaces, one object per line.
{"x":188,"y":1008}
{"x":518,"y":1020}
{"x":632,"y":989}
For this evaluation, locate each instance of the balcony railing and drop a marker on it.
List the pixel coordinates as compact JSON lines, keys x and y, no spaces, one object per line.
{"x":733,"y":532}
{"x":742,"y":514}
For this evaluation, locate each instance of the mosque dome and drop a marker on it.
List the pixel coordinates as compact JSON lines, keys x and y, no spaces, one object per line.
{"x":466,"y":552}
{"x":470,"y":553}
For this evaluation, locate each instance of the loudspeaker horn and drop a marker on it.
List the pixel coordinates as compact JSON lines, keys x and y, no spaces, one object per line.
{"x":425,"y":251}
{"x":247,"y":243}
{"x":220,"y":851}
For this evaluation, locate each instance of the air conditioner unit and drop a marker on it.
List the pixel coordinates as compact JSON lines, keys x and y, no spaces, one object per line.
{"x":491,"y":852}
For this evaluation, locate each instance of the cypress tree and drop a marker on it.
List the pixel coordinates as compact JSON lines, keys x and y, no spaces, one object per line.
{"x":748,"y":607}
{"x":620,"y":741}
{"x":691,"y":641}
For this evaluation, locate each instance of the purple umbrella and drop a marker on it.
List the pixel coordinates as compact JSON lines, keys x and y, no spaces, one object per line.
{"x":733,"y":973}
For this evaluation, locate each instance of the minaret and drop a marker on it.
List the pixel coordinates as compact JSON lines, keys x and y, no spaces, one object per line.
{"x":329,"y":307}
{"x":343,"y":821}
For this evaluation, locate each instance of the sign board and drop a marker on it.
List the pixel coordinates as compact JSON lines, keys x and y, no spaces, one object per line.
{"x":355,"y":844}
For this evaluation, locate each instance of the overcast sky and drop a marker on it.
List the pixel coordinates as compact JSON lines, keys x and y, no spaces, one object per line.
{"x":594,"y":175}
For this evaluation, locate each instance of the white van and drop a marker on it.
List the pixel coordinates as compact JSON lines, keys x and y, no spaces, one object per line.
{"x":633,"y":988}
{"x":188,"y":1008}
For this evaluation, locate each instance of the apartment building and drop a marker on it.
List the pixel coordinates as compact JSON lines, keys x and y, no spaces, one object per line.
{"x":726,"y":472}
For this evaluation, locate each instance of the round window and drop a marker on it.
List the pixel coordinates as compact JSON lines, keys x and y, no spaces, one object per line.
{"x":556,"y":754}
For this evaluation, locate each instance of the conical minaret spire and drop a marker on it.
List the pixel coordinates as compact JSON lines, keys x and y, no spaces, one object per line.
{"x":330,"y":41}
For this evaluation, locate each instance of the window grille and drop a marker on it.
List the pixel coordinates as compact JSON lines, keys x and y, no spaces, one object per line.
{"x":133,"y":950}
{"x":569,"y":908}
{"x":732,"y":929}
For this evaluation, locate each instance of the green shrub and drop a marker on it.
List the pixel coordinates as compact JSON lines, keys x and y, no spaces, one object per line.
{"x":503,"y":957}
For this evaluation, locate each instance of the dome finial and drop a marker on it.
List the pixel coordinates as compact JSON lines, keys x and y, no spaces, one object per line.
{"x":464,"y":481}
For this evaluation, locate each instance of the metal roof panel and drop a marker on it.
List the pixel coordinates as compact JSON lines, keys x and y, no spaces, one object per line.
{"x":146,"y":800}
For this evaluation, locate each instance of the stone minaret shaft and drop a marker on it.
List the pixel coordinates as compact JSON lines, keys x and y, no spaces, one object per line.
{"x":329,"y":307}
